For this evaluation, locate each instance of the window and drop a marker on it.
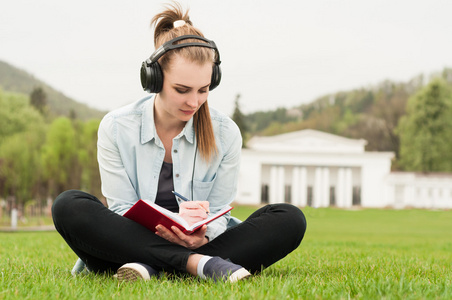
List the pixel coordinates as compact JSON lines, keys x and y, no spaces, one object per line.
{"x":356,"y":195}
{"x":332,"y":196}
{"x":310,"y":196}
{"x":264,"y":194}
{"x":288,"y":193}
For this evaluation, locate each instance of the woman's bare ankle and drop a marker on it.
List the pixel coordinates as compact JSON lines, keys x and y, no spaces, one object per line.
{"x":192,"y":263}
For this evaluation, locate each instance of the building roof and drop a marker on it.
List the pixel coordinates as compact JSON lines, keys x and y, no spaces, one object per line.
{"x":308,"y":141}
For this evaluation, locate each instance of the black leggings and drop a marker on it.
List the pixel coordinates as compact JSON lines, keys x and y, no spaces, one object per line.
{"x":105,"y":240}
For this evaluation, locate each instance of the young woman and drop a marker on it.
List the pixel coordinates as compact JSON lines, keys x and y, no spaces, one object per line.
{"x":172,"y":141}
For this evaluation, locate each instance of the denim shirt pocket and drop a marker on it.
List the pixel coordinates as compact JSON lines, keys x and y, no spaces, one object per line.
{"x":202,"y":189}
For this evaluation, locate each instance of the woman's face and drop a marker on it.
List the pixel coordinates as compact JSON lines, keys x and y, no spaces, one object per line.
{"x":185,"y":89}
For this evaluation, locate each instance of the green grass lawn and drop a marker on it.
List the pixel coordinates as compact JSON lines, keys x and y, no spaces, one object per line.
{"x":363,"y":254}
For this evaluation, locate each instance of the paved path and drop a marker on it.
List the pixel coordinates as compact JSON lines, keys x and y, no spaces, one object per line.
{"x":28,"y":228}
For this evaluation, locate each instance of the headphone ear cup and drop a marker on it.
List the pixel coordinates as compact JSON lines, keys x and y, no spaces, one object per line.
{"x":216,"y":77}
{"x":151,"y":77}
{"x":156,"y":78}
{"x":144,"y":75}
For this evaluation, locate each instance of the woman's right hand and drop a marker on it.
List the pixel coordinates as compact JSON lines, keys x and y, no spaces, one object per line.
{"x":194,"y":211}
{"x":176,"y":236}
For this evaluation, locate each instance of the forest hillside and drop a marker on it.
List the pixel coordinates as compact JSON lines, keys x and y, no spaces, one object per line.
{"x":15,"y":80}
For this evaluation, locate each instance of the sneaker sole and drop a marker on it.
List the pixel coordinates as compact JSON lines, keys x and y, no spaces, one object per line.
{"x":132,"y":272}
{"x":240,"y":274}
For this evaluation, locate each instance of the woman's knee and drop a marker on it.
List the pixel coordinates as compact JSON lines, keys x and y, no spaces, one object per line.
{"x":297,"y":216}
{"x":58,"y":206}
{"x":64,"y":204}
{"x":293,"y":218}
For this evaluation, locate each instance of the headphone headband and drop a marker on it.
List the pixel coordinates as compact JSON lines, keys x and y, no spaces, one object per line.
{"x":170,"y":45}
{"x":151,"y":73}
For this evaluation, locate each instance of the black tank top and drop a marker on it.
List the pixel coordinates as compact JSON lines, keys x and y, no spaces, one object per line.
{"x":165,"y":197}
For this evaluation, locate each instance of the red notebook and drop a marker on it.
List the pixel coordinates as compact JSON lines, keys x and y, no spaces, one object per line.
{"x":150,"y":215}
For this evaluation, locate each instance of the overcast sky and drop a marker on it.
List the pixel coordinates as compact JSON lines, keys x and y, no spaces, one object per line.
{"x":274,"y":53}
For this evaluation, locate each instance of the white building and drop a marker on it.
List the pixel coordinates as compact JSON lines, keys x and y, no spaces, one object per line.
{"x":314,"y":168}
{"x":420,"y":190}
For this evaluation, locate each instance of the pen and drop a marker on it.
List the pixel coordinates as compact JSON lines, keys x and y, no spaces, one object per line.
{"x":185,"y":199}
{"x":180,"y":196}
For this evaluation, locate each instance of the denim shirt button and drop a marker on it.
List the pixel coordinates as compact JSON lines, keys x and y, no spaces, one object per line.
{"x":175,"y":151}
{"x":177,"y":175}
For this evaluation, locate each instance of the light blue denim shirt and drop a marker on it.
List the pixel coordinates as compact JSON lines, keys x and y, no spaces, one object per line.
{"x":130,"y":156}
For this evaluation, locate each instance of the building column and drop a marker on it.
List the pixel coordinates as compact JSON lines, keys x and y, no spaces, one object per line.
{"x":340,"y":187}
{"x":325,"y":187}
{"x":344,"y":188}
{"x":299,"y":186}
{"x":281,"y":185}
{"x":317,"y":190}
{"x":348,"y":188}
{"x":296,"y":186}
{"x":276,"y":184}
{"x":303,"y":186}
{"x":273,"y":188}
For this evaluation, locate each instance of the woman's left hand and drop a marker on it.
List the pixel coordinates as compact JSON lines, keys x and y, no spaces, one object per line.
{"x":176,"y":236}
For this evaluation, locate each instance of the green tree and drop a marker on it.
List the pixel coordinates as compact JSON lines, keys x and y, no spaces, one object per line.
{"x":72,"y":114}
{"x":16,"y":115}
{"x":38,"y":99}
{"x":348,"y":119}
{"x":378,"y":124}
{"x":21,"y":136}
{"x":90,"y":181}
{"x":60,"y":157}
{"x":20,"y":167}
{"x":239,"y":119}
{"x":389,"y":108}
{"x":425,"y":138}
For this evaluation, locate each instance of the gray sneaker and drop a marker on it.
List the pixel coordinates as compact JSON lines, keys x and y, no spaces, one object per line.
{"x":222,"y":270}
{"x":135,"y":271}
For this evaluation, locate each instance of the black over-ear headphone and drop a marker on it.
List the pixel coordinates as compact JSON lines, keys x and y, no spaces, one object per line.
{"x":151,"y":72}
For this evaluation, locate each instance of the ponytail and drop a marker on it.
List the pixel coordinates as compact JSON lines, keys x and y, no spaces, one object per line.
{"x":204,"y":132}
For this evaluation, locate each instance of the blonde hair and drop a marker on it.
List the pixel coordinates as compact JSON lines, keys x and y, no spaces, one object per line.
{"x":165,"y":31}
